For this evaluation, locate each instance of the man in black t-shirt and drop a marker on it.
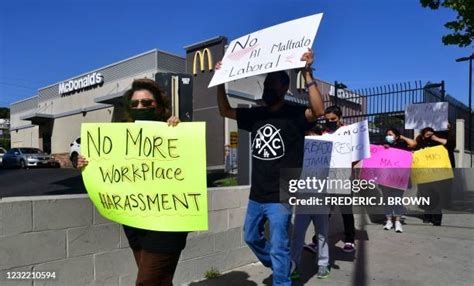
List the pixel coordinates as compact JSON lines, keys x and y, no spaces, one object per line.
{"x":278,"y":131}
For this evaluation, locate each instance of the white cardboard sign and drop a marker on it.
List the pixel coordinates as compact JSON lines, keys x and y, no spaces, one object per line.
{"x":327,"y":159}
{"x":421,"y":115}
{"x":358,"y":135}
{"x":327,"y":151}
{"x":275,"y":48}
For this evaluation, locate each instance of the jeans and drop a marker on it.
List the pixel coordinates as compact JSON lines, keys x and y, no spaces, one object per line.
{"x":321,"y":224}
{"x":276,"y":252}
{"x":349,"y":224}
{"x":395,"y":210}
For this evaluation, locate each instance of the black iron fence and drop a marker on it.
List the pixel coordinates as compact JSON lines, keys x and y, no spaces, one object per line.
{"x":384,"y":106}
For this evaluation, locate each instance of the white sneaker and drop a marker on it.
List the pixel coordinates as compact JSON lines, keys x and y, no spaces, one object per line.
{"x":388,"y":225}
{"x":398,"y":226}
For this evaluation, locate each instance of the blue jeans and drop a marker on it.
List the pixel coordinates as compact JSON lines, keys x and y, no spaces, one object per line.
{"x":276,"y":252}
{"x":321,"y":226}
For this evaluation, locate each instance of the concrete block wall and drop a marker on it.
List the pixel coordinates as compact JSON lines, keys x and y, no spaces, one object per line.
{"x":65,"y":234}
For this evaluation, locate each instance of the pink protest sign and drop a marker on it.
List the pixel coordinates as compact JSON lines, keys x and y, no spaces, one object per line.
{"x":389,"y":167}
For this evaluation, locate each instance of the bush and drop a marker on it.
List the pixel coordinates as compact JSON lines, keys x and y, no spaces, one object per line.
{"x":5,"y":143}
{"x":212,"y":273}
{"x":226,"y":182}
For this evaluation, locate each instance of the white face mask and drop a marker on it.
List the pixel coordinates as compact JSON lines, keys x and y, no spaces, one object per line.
{"x":390,"y":139}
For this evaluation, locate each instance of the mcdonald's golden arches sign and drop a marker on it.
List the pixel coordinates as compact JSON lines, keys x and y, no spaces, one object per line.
{"x":200,"y":55}
{"x":300,"y":81}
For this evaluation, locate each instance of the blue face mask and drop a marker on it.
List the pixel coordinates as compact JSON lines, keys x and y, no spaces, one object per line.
{"x":390,"y":139}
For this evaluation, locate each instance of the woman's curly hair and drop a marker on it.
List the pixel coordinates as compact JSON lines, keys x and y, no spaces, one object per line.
{"x":163,"y":108}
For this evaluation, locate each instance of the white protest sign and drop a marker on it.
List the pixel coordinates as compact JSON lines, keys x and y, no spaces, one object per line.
{"x":421,"y":115}
{"x":358,"y":136}
{"x":359,"y":133}
{"x":327,"y":159}
{"x":327,"y":151}
{"x":276,"y":48}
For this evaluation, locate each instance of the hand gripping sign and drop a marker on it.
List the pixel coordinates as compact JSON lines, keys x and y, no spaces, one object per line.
{"x":147,"y":175}
{"x":276,"y":48}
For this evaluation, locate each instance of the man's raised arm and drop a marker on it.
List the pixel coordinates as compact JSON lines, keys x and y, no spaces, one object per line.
{"x":316,"y":104}
{"x":223,"y":102}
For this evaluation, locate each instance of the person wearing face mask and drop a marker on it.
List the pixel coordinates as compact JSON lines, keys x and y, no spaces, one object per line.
{"x":156,"y":253}
{"x":427,"y":138}
{"x":277,"y":130}
{"x":333,"y":120}
{"x":320,"y":220}
{"x":435,"y":190}
{"x":319,"y":244}
{"x":393,"y":139}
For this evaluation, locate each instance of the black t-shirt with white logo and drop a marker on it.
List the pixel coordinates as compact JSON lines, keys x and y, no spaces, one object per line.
{"x":277,"y":143}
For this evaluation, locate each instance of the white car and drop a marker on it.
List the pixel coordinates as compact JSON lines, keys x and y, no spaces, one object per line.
{"x":2,"y":151}
{"x":75,"y":151}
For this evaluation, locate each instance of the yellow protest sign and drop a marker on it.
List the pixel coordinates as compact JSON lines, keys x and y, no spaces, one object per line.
{"x":431,"y":165}
{"x":147,"y":175}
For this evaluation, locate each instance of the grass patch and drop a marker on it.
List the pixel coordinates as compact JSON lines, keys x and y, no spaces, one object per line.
{"x":226,"y":182}
{"x":212,"y":273}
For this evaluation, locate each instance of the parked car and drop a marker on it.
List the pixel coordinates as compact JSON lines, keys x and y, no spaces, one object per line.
{"x":25,"y":157}
{"x":75,"y":151}
{"x":2,"y":152}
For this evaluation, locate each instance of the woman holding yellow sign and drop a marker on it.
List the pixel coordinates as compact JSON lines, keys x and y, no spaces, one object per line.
{"x":156,"y":252}
{"x":438,"y":190}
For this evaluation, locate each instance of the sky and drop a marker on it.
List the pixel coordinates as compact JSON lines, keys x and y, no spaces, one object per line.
{"x":362,"y":43}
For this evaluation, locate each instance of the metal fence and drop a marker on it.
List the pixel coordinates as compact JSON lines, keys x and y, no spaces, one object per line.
{"x":384,"y":106}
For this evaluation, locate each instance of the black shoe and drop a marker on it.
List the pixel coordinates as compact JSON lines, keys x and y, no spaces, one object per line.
{"x":427,"y":218}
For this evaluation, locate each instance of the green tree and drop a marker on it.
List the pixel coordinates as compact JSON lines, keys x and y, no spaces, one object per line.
{"x":385,"y":121}
{"x":463,"y":27}
{"x":4,"y":112}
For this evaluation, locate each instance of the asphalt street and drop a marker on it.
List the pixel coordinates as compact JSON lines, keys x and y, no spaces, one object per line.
{"x":40,"y":181}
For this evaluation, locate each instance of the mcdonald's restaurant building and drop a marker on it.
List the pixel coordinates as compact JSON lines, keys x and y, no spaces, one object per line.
{"x":52,"y":118}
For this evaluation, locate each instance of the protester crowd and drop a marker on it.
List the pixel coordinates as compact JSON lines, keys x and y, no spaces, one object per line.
{"x":278,"y":133}
{"x":282,"y":252}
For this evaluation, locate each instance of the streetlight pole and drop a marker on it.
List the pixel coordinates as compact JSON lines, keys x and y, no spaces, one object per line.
{"x":443,"y":91}
{"x":470,"y":100}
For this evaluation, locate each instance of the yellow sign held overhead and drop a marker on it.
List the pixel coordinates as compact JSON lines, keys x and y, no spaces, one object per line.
{"x":147,"y":175}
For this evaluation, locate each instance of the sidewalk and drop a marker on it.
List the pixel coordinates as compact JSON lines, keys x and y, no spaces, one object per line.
{"x":422,"y":255}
